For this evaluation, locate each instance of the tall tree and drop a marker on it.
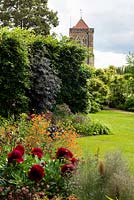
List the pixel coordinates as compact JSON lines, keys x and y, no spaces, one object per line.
{"x":33,"y":14}
{"x":14,"y":74}
{"x":130,"y":64}
{"x":73,"y":73}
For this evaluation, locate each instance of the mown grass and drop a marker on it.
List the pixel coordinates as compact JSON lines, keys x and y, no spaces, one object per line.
{"x":121,"y":137}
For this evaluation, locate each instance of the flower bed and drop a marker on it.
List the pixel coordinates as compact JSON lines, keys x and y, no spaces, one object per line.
{"x":34,"y":174}
{"x":36,"y":162}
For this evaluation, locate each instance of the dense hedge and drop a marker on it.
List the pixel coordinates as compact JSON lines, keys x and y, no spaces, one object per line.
{"x":34,"y":68}
{"x":14,"y":74}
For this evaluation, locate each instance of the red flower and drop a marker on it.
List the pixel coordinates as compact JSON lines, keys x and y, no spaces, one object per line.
{"x":15,"y":155}
{"x":36,"y":173}
{"x":64,"y":153}
{"x":67,"y":169}
{"x":38,"y":152}
{"x":20,"y":148}
{"x":74,"y":161}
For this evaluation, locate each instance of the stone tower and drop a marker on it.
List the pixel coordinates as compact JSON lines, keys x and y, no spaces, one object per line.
{"x":84,"y":34}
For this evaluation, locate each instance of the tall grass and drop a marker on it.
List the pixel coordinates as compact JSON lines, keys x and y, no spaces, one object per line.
{"x":95,"y":180}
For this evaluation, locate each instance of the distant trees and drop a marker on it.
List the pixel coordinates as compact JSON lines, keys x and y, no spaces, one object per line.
{"x":33,"y":14}
{"x":98,"y":93}
{"x":130,"y":64}
{"x":121,"y":85}
{"x":113,"y":87}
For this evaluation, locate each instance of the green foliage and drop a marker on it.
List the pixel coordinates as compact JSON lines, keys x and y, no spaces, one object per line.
{"x":121,"y":84}
{"x":98,"y":93}
{"x":102,"y":75}
{"x":130,"y":64}
{"x":28,"y":14}
{"x":67,"y":57}
{"x":97,"y":128}
{"x":129,"y":104}
{"x":73,"y":74}
{"x":14,"y":77}
{"x":86,"y":127}
{"x":86,"y":184}
{"x":61,"y":112}
{"x":95,"y":107}
{"x":117,"y":91}
{"x":93,"y":128}
{"x":38,"y":65}
{"x":118,"y":181}
{"x":130,"y":86}
{"x":15,"y":179}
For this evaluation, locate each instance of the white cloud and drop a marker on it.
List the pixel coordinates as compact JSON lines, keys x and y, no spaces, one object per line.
{"x":104,"y":59}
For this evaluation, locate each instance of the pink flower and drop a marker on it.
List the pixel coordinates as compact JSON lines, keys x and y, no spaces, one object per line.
{"x":64,"y":153}
{"x":15,"y":155}
{"x":67,"y":169}
{"x":20,"y":148}
{"x":38,"y":152}
{"x":36,"y":173}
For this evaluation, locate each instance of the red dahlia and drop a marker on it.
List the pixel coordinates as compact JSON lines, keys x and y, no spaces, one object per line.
{"x":36,"y":173}
{"x":20,"y":148}
{"x":67,"y":169}
{"x":15,"y":155}
{"x":74,"y":161}
{"x":64,"y":153}
{"x":38,"y":152}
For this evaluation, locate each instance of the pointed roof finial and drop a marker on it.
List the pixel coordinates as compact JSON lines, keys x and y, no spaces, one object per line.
{"x":81,"y":12}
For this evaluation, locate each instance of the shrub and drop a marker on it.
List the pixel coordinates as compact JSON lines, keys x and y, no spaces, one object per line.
{"x":61,"y":112}
{"x":86,"y":184}
{"x":44,"y":83}
{"x":96,"y":180}
{"x":118,"y":181}
{"x":97,"y":128}
{"x":95,"y":107}
{"x":85,"y":127}
{"x":80,"y":118}
{"x":98,"y":93}
{"x":129,"y":103}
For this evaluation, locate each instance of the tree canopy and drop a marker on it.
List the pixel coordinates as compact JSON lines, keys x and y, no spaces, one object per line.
{"x":33,"y":14}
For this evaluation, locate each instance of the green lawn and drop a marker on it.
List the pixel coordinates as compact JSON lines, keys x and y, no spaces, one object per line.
{"x":121,"y":138}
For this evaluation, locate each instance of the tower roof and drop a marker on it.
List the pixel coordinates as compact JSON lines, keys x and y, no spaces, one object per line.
{"x":81,"y":25}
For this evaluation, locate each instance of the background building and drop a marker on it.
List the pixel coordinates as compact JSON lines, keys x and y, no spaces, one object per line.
{"x":85,"y":35}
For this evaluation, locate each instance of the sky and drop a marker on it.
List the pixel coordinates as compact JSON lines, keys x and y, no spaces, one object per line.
{"x":113,"y":23}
